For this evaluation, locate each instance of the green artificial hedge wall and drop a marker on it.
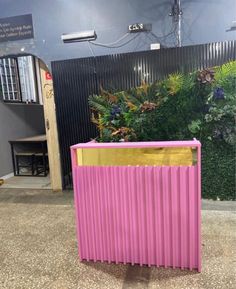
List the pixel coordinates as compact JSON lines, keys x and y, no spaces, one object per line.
{"x":201,"y":104}
{"x":218,"y":171}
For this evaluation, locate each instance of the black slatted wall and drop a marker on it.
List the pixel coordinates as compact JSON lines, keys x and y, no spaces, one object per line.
{"x":76,"y":79}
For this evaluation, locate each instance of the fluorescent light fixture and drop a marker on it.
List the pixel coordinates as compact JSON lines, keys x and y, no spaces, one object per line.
{"x":233,"y":27}
{"x":79,"y":36}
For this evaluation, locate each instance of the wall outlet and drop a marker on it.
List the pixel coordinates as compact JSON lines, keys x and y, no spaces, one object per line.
{"x":155,"y":46}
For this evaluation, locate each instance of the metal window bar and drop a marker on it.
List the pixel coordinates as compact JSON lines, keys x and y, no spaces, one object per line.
{"x":1,"y":77}
{"x":12,"y":86}
{"x":27,"y":79}
{"x":6,"y":79}
{"x":18,"y":79}
{"x":9,"y":80}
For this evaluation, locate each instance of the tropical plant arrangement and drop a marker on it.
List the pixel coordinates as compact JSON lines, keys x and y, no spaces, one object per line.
{"x":201,"y":104}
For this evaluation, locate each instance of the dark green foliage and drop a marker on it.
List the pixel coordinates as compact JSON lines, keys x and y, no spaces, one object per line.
{"x":218,"y":171}
{"x":201,"y":104}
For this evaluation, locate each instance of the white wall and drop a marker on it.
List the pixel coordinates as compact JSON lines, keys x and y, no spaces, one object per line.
{"x":204,"y":21}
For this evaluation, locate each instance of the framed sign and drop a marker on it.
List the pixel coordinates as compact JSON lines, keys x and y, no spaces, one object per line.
{"x":16,"y":28}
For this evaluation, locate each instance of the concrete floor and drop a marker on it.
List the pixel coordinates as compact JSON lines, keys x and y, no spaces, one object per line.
{"x":20,"y":182}
{"x":38,"y":249}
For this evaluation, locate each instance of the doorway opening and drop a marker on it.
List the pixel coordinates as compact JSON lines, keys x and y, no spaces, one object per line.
{"x":29,"y":153}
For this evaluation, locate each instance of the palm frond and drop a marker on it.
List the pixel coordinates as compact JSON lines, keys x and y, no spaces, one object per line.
{"x":98,"y":103}
{"x":224,"y":71}
{"x":110,"y":97}
{"x":133,"y":98}
{"x":174,"y":83}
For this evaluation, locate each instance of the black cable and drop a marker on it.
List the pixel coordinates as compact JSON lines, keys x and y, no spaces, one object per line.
{"x":118,"y":46}
{"x":163,"y":36}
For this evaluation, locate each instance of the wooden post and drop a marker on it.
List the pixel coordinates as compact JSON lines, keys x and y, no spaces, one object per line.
{"x":51,"y":127}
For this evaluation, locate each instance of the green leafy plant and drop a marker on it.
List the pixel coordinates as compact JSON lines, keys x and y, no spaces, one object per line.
{"x":195,"y":126}
{"x":200,"y":104}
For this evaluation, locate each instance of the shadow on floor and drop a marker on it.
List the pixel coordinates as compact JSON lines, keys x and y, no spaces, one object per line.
{"x":138,"y":277}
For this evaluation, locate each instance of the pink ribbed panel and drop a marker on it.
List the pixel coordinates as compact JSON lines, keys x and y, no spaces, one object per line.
{"x":140,"y":215}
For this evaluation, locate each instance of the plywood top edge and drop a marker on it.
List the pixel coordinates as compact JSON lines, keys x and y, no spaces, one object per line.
{"x":192,"y":143}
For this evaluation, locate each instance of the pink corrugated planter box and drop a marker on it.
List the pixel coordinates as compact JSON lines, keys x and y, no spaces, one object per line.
{"x":147,"y":215}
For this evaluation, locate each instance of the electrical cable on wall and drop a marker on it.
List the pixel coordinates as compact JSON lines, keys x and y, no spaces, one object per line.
{"x":176,"y":28}
{"x":115,"y":46}
{"x":112,"y":43}
{"x":163,"y":36}
{"x":90,"y":48}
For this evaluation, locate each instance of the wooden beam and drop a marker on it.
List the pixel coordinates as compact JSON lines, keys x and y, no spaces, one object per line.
{"x":51,"y":127}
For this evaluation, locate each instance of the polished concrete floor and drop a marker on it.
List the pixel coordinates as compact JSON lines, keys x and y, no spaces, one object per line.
{"x":22,"y":182}
{"x":38,"y":249}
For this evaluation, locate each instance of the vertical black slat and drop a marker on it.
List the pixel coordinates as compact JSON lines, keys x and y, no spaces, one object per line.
{"x":189,"y":64}
{"x":158,"y":69}
{"x":216,"y":60}
{"x":133,"y":70}
{"x":56,"y":82}
{"x":129,"y":71}
{"x":74,"y":80}
{"x":136,"y":72}
{"x":119,"y":72}
{"x":201,"y":57}
{"x":125,"y":74}
{"x":234,"y":49}
{"x":151,"y":66}
{"x":69,"y":127}
{"x":123,"y":69}
{"x":144,"y":70}
{"x":221,"y":47}
{"x":138,"y":65}
{"x":205,"y":55}
{"x":126,"y":71}
{"x":210,"y":61}
{"x":224,"y":51}
{"x":196,"y":55}
{"x":218,"y":53}
{"x":73,"y":120}
{"x":176,"y":55}
{"x":214,"y":54}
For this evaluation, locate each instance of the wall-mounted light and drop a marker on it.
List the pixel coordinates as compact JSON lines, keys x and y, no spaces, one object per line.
{"x":79,"y":36}
{"x":233,"y":27}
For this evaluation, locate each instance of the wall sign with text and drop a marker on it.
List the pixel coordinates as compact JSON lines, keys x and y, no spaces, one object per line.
{"x":16,"y":28}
